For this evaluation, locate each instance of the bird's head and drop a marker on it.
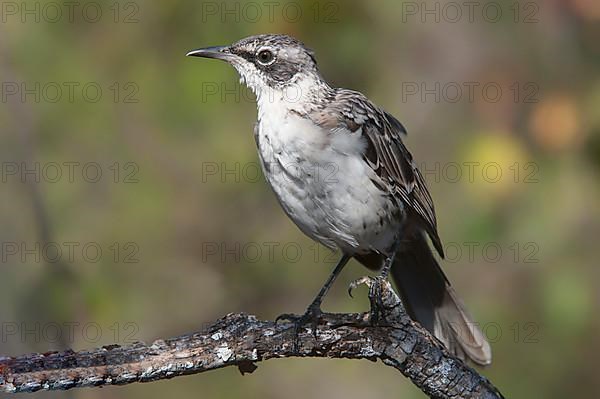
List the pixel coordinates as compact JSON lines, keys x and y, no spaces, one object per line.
{"x":267,"y":62}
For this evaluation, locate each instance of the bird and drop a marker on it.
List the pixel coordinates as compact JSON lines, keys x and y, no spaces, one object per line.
{"x":340,"y":170}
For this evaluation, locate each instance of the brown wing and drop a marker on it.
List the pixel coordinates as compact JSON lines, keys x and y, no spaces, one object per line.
{"x":386,"y":154}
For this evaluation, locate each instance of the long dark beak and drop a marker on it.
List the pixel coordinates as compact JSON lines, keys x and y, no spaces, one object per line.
{"x":218,"y":52}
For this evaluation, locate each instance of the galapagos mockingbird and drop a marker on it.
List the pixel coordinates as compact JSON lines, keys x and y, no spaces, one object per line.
{"x":374,"y":205}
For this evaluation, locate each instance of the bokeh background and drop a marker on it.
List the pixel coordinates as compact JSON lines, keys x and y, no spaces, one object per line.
{"x":131,"y":205}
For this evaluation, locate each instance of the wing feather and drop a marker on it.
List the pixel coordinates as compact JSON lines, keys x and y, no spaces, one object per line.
{"x":386,"y":153}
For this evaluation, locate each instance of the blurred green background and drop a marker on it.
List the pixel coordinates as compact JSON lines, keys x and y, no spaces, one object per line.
{"x":131,"y":208}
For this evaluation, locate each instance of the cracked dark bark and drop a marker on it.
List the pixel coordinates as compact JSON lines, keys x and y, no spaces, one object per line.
{"x":241,"y":340}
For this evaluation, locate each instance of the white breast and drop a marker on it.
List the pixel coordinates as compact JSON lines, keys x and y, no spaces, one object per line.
{"x":321,"y":180}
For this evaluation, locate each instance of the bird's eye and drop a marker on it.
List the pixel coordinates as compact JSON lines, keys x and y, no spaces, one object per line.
{"x":265,"y":57}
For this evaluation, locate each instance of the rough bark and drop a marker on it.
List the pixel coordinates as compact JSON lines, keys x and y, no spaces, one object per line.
{"x":386,"y":333}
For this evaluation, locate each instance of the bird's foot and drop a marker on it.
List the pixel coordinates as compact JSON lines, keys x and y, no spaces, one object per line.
{"x":366,"y":280}
{"x":374,"y":284}
{"x":312,"y":316}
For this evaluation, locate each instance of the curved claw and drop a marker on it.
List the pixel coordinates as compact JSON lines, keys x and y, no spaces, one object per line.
{"x":312,"y":314}
{"x":287,"y":317}
{"x":367,"y":280}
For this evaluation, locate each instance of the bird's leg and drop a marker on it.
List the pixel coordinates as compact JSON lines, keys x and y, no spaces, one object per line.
{"x":387,"y":265}
{"x":389,"y":261}
{"x":383,"y":275}
{"x":385,"y":271}
{"x":313,"y":311}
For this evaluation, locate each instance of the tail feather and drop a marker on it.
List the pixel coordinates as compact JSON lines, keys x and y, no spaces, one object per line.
{"x":455,"y":328}
{"x":430,"y":300}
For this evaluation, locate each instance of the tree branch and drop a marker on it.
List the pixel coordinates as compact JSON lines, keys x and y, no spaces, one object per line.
{"x":386,"y":333}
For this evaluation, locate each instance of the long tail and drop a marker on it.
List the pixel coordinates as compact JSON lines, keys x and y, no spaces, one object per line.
{"x":430,"y":300}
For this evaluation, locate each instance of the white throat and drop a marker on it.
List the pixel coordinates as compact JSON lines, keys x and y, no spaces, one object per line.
{"x":297,"y":95}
